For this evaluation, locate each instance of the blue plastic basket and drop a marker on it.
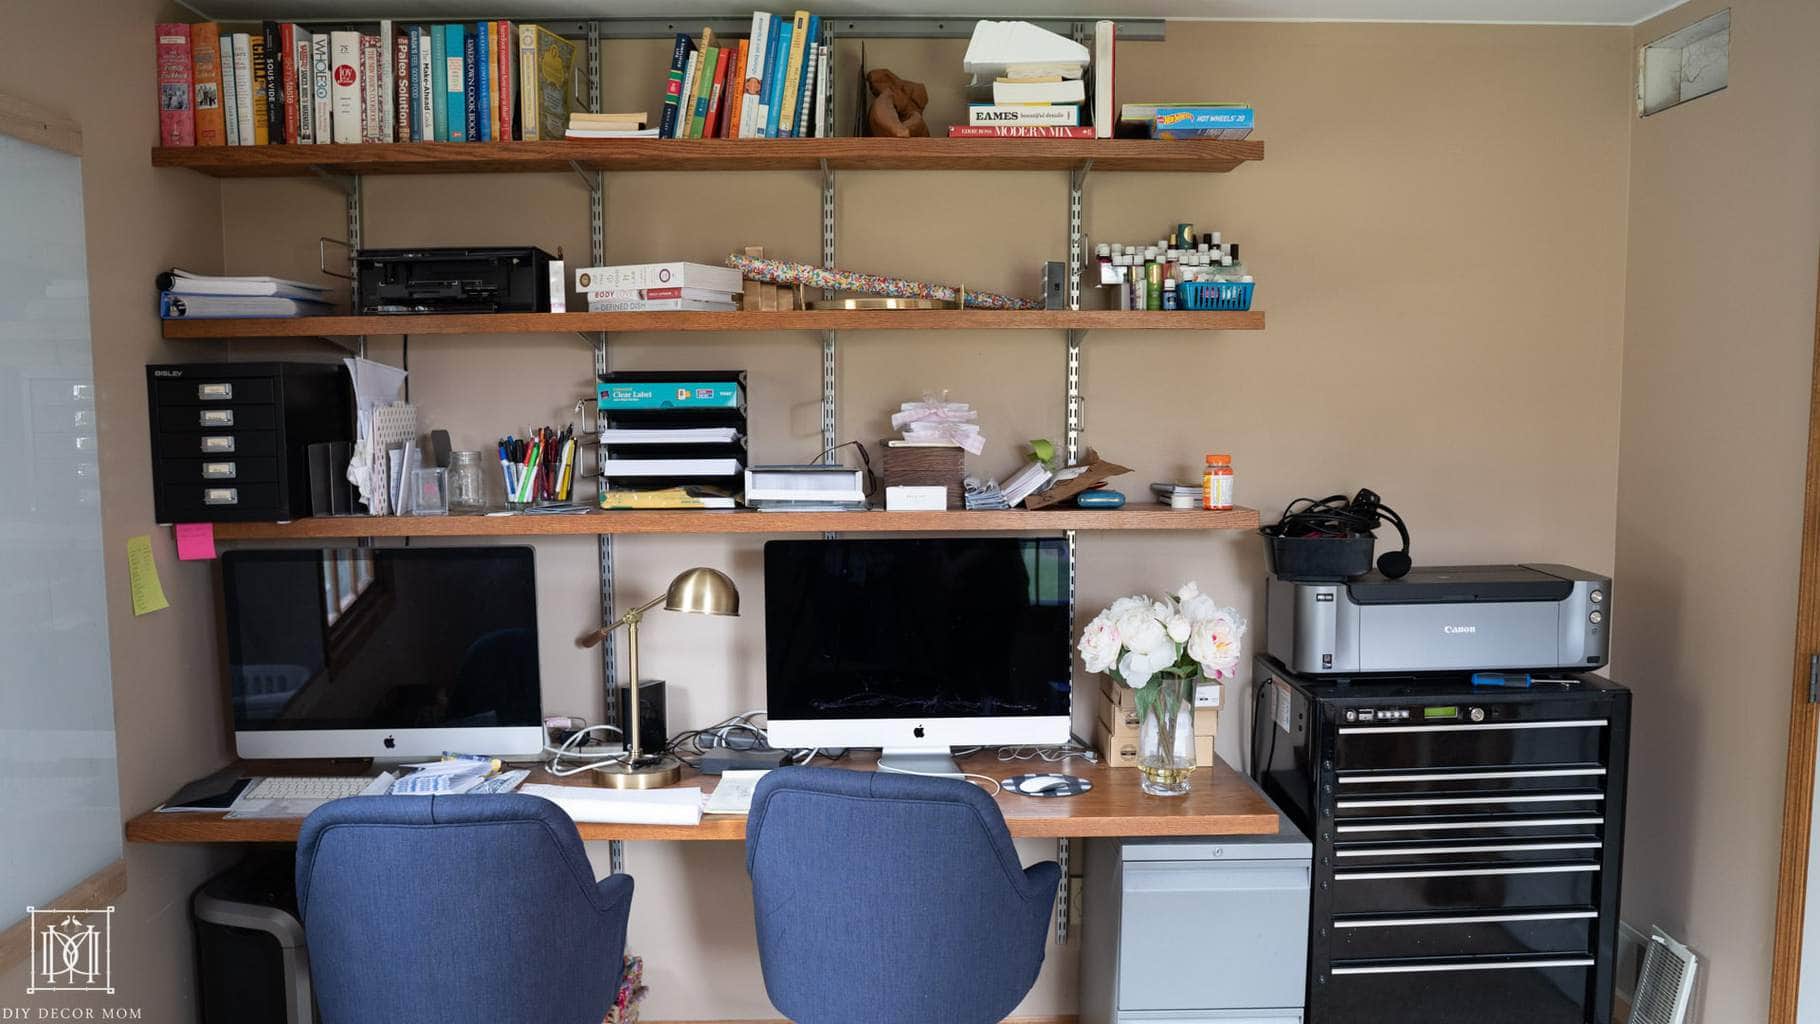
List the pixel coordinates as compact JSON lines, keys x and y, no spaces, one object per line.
{"x":1215,"y":295}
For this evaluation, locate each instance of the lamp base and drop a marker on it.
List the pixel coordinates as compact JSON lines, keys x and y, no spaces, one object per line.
{"x":653,"y":773}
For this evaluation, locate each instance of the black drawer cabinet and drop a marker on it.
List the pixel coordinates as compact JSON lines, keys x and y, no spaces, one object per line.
{"x":1467,"y":843}
{"x":228,"y":439}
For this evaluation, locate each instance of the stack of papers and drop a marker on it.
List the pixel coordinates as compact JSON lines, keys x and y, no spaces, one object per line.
{"x":937,"y":422}
{"x":984,"y":495}
{"x":442,"y":778}
{"x":680,"y":806}
{"x":1025,"y":482}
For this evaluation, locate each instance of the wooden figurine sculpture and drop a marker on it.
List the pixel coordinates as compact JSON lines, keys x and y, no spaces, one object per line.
{"x":897,"y":109}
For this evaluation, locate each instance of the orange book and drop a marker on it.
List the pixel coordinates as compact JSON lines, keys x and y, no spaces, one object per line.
{"x":205,"y":60}
{"x":736,"y":82}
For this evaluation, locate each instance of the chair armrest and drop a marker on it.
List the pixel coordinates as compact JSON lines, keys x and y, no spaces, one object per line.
{"x":1041,"y":879}
{"x":614,"y":893}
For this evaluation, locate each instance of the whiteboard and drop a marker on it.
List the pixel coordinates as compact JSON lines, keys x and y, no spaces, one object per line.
{"x":59,"y":789}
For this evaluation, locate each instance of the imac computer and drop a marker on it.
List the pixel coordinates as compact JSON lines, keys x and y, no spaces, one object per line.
{"x":387,"y":653}
{"x":917,"y":646}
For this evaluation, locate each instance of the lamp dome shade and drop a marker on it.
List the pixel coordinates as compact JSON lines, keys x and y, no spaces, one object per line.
{"x":703,"y":591}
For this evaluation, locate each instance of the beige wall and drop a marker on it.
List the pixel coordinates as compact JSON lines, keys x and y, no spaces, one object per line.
{"x":1444,"y":278}
{"x":138,"y":221}
{"x":1717,"y":355}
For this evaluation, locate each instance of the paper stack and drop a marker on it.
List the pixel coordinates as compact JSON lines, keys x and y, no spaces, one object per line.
{"x":644,"y":287}
{"x":1027,"y":80}
{"x":937,"y":422}
{"x":583,"y":125}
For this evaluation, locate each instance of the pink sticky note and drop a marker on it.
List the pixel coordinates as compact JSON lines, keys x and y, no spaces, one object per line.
{"x":195,"y":541}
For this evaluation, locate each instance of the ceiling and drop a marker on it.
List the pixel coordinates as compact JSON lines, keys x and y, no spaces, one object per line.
{"x":1534,"y":12}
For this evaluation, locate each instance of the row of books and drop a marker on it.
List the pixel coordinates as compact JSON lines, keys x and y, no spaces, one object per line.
{"x":672,"y":438}
{"x":772,"y":84}
{"x":286,"y":84}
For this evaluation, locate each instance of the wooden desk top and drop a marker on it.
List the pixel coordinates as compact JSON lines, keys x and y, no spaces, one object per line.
{"x":1221,"y":803}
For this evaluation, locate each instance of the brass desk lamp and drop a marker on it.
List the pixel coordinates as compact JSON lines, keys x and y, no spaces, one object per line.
{"x":699,"y":591}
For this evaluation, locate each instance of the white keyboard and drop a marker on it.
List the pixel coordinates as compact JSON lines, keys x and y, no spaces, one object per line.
{"x":307,"y":787}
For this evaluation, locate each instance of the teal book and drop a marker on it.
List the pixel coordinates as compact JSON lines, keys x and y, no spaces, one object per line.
{"x":778,"y":70}
{"x":439,"y":76}
{"x":455,"y":90}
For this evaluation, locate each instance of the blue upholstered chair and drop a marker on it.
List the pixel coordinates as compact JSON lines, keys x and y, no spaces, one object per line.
{"x":455,"y":909}
{"x":891,"y":899}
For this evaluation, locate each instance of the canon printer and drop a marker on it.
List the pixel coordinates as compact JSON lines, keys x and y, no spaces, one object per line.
{"x":1458,"y":618}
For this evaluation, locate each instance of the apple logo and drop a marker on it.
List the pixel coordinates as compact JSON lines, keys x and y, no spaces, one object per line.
{"x":917,"y":732}
{"x":390,"y":743}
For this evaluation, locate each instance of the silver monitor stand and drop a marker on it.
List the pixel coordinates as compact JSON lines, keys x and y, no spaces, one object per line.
{"x":919,"y":761}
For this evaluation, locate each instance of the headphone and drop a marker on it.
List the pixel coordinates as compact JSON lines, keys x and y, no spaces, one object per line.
{"x":1337,"y":516}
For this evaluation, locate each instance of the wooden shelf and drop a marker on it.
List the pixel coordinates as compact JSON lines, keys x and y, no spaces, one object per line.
{"x":1221,"y":802}
{"x":1143,"y":517}
{"x":1198,"y":155}
{"x":668,"y":322}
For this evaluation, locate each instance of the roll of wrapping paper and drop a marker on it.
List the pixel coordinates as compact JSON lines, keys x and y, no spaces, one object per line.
{"x":783,"y":272}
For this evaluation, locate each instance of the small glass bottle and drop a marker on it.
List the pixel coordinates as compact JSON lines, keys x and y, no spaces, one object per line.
{"x":1169,"y":294}
{"x":1216,"y":483}
{"x":1153,"y":285}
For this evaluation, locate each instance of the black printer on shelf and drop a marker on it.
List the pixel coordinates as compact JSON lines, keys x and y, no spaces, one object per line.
{"x":501,"y":279}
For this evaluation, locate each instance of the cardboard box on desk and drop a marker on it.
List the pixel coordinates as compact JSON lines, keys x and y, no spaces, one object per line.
{"x":1123,"y":753}
{"x":1117,"y":697}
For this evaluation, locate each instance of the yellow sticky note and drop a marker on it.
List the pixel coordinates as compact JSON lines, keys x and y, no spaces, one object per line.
{"x":148,"y":593}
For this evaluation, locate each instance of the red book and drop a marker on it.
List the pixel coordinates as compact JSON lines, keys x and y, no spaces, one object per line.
{"x":711,"y":123}
{"x":1015,"y":131}
{"x":507,"y":49}
{"x":287,"y":45}
{"x":176,"y":108}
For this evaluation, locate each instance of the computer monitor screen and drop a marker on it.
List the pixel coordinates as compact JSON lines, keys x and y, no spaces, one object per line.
{"x":917,"y":644}
{"x":382,"y":652}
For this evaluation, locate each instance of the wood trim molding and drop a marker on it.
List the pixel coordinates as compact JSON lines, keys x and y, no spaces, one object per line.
{"x":97,"y":890}
{"x":1798,"y":789}
{"x":23,"y":120}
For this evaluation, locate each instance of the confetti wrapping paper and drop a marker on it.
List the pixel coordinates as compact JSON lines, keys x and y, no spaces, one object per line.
{"x":784,"y":272}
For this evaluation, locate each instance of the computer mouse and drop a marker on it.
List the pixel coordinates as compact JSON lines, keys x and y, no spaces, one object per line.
{"x":1043,"y":784}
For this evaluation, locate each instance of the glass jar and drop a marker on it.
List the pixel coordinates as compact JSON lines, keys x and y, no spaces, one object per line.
{"x":467,"y":483}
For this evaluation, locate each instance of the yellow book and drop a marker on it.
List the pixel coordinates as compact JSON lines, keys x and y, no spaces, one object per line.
{"x":261,"y":136}
{"x":495,"y":80}
{"x":546,"y":64}
{"x":799,"y":34}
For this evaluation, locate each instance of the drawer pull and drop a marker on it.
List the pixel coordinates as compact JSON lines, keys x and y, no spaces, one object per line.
{"x":1545,"y":773}
{"x":222,"y":392}
{"x":1487,"y":798}
{"x":1424,"y":851}
{"x":1569,"y":723}
{"x":1422,"y":922}
{"x":216,"y":418}
{"x":1490,"y":965}
{"x":1402,"y":826}
{"x":221,"y":496}
{"x":1527,"y":869}
{"x":218,"y":444}
{"x":220,"y":470}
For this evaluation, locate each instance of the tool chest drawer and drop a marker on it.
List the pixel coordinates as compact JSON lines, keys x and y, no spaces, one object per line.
{"x":1443,"y":990}
{"x":1490,"y":745}
{"x":1502,"y":932}
{"x":230,"y":440}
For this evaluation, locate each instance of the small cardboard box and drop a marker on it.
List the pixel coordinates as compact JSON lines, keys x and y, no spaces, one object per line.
{"x":1120,"y":721}
{"x":1123,"y":753}
{"x":1206,"y":695}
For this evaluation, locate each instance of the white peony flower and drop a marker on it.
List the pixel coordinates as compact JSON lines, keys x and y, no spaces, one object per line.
{"x":1136,"y":667}
{"x":1177,"y":626}
{"x":1198,"y":607}
{"x":1140,"y":630}
{"x":1215,"y":643}
{"x":1100,"y":644}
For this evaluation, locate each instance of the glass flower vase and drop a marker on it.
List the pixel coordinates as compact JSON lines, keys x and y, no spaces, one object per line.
{"x":1166,"y":738}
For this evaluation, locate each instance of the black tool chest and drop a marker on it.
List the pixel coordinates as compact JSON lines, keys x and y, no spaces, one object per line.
{"x":228,"y":439}
{"x":1468,"y":843}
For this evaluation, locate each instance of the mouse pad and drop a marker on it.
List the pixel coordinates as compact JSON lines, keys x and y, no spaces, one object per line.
{"x":1047,"y":784}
